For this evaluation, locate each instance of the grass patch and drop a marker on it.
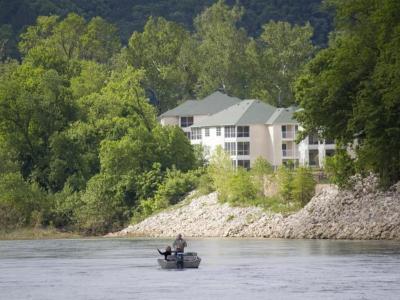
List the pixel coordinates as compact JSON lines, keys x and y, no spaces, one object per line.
{"x":230,"y":218}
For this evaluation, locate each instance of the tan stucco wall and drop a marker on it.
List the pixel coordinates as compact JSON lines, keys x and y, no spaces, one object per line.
{"x":260,"y":143}
{"x":276,"y":139}
{"x":198,"y":118}
{"x":169,"y":121}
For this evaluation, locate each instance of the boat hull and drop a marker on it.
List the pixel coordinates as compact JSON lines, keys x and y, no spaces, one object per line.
{"x":189,"y":262}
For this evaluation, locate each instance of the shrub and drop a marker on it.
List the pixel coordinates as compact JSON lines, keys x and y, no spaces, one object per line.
{"x":303,"y":185}
{"x":103,"y":208}
{"x":241,"y":188}
{"x":339,"y":168}
{"x":21,"y":203}
{"x":205,"y":185}
{"x":173,"y":189}
{"x":67,"y":204}
{"x":221,"y":170}
{"x":261,"y":168}
{"x":285,"y":185}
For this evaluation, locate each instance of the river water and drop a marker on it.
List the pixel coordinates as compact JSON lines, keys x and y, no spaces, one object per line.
{"x":230,"y":269}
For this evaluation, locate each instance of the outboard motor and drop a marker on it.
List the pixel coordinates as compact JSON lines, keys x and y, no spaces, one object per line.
{"x":179,"y":260}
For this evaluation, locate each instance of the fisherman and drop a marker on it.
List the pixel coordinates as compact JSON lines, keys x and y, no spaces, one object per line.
{"x":166,"y":253}
{"x":179,"y":244}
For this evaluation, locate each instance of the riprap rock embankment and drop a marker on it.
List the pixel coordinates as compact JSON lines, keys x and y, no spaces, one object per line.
{"x":364,"y":212}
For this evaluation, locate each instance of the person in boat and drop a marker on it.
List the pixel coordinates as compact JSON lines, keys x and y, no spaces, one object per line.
{"x":166,"y":253}
{"x":179,"y":244}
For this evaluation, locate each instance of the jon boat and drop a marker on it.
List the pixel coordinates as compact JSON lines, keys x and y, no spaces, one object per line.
{"x":190,"y":260}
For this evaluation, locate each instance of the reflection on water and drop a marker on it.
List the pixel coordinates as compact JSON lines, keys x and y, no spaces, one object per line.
{"x":230,"y":269}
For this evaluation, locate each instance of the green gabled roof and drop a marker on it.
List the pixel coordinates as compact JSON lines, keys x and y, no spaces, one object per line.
{"x":283,"y":116}
{"x":211,"y":104}
{"x":246,"y":112}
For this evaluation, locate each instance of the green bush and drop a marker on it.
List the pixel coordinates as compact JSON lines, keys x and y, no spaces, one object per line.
{"x":260,"y":169}
{"x":303,"y":185}
{"x":173,"y":189}
{"x":67,"y":204}
{"x":205,"y":185}
{"x":103,"y":208}
{"x":339,"y":168}
{"x":220,"y":170}
{"x":21,"y":204}
{"x":242,"y":189}
{"x":284,"y":177}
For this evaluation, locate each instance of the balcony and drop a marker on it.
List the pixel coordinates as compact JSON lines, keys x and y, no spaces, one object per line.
{"x":289,"y":153}
{"x":288,"y":135}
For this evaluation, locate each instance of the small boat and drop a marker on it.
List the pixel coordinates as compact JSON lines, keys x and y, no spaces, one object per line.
{"x":184,"y":260}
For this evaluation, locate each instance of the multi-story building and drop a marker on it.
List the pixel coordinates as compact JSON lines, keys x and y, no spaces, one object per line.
{"x":191,"y":111}
{"x":246,"y":129}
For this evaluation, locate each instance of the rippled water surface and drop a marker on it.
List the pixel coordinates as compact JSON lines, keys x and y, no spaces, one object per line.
{"x":230,"y":269}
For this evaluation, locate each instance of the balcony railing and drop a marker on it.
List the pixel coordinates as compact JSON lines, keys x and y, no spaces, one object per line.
{"x":289,"y":153}
{"x":288,"y":134}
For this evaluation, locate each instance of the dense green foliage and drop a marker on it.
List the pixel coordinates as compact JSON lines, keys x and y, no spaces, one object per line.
{"x":79,"y":135}
{"x":131,"y":15}
{"x":351,"y":89}
{"x":79,"y":142}
{"x":340,"y":168}
{"x":219,"y":55}
{"x":291,"y":188}
{"x":245,"y":48}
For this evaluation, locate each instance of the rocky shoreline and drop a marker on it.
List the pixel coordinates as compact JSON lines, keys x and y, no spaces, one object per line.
{"x":362,"y":213}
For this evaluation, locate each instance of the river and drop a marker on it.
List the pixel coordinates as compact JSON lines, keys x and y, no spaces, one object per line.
{"x":230,"y":269}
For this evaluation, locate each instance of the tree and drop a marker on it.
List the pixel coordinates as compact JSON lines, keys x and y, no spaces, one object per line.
{"x":173,"y":148}
{"x":157,"y":50}
{"x":282,"y":51}
{"x":348,"y":91}
{"x":34,"y":104}
{"x":100,"y":41}
{"x":221,"y":50}
{"x":7,"y":42}
{"x":59,"y":44}
{"x":20,"y":202}
{"x":340,"y":168}
{"x":92,"y":79}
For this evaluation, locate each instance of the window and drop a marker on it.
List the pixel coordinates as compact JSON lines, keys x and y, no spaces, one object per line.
{"x":186,"y":121}
{"x":196,"y":134}
{"x":243,"y":148}
{"x":288,"y":131}
{"x":187,"y":135}
{"x":330,"y":152}
{"x":285,"y":151}
{"x":244,"y":164}
{"x":218,"y":131}
{"x":313,"y":159}
{"x":329,"y":141}
{"x":206,"y":131}
{"x":243,"y":131}
{"x":313,"y":139}
{"x":230,"y":148}
{"x":230,"y":131}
